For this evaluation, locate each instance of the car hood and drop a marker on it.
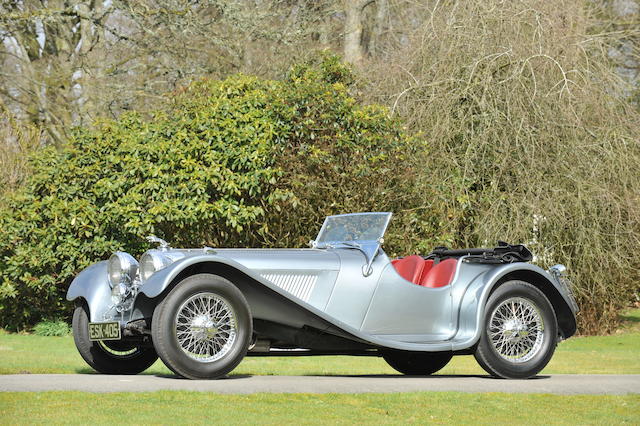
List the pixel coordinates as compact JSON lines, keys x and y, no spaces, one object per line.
{"x":261,"y":260}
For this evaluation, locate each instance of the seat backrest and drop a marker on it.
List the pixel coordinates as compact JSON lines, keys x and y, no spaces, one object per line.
{"x":440,"y":275}
{"x":410,"y":268}
{"x":428,"y":265}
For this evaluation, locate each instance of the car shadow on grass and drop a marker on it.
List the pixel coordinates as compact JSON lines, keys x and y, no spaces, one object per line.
{"x":367,"y":376}
{"x":361,"y":376}
{"x":162,"y":375}
{"x":409,"y":377}
{"x":85,"y":371}
{"x":231,"y":377}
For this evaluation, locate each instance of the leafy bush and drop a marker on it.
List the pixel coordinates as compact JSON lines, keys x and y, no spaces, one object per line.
{"x":52,"y":328}
{"x":341,"y":157}
{"x":200,"y":168}
{"x":239,"y":162}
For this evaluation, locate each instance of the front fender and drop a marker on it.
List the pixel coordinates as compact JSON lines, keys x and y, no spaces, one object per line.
{"x":474,"y":301}
{"x":159,"y":281}
{"x":92,"y":285}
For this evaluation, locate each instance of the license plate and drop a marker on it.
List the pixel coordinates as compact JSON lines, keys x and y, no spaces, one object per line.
{"x":104,"y":330}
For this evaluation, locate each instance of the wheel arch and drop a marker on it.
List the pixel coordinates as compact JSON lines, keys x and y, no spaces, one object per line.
{"x":475,"y":296}
{"x":565,"y":317}
{"x":213,"y":267}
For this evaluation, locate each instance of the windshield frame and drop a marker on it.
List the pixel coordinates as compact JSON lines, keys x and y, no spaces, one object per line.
{"x":319,"y":243}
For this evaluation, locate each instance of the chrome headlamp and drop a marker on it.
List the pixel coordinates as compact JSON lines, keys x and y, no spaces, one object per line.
{"x":122,"y":269}
{"x":151,"y":262}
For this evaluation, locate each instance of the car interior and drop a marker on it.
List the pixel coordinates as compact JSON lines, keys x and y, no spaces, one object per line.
{"x":426,"y":272}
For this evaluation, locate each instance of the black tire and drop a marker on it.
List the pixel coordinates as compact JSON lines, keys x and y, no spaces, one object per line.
{"x":213,"y":362}
{"x":535,"y":351}
{"x":417,"y":363}
{"x":111,"y":356}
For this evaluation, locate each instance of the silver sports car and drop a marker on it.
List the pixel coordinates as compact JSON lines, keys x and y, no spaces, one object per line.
{"x":203,"y":310}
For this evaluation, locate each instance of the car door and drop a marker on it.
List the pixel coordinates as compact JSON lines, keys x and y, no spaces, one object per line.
{"x":401,"y":310}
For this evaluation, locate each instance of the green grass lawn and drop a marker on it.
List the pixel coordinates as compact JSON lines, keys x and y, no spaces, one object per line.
{"x":582,"y":355}
{"x":398,"y":408}
{"x":615,"y":354}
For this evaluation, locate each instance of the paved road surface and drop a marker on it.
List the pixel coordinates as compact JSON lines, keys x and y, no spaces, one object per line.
{"x":557,"y":384}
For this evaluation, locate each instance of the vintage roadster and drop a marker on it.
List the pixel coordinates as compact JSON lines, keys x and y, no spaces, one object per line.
{"x":203,"y":310}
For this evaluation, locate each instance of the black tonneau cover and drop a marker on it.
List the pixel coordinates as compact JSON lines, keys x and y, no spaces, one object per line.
{"x":503,"y":253}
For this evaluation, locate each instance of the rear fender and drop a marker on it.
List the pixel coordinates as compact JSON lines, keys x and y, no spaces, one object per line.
{"x":474,"y":301}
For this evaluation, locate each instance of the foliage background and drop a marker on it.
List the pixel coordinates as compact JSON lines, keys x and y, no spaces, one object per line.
{"x":238,"y":162}
{"x":472,"y":121}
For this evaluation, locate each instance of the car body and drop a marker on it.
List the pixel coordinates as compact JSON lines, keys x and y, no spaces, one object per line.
{"x":203,"y":310}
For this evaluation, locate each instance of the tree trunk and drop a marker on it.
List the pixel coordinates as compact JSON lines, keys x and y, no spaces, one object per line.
{"x":353,"y":51}
{"x":379,"y":26}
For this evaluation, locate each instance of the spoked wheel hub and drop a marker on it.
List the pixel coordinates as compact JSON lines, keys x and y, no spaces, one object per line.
{"x":516,"y":330}
{"x":203,"y":328}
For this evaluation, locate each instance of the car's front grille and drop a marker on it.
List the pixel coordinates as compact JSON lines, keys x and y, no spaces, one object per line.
{"x":300,"y":285}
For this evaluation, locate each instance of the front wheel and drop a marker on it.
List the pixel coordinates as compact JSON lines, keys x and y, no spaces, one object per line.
{"x":202,"y":329}
{"x":110,"y":356}
{"x":519,"y":334}
{"x":417,"y":363}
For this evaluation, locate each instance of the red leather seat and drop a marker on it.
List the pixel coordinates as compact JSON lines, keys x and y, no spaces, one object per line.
{"x":410,"y":268}
{"x":428,"y":264}
{"x":424,"y":273}
{"x":440,"y":275}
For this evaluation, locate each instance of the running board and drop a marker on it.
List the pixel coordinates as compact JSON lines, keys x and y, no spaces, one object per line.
{"x":311,"y":352}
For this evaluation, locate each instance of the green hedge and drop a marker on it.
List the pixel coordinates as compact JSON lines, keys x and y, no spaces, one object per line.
{"x":243,"y":162}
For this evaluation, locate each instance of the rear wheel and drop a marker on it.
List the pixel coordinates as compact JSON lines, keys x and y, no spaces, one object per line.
{"x":109,"y":356}
{"x":417,"y":363}
{"x":202,"y":329}
{"x":519,"y":333}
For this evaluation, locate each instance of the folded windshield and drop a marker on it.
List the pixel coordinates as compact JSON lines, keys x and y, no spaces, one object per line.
{"x":354,"y":227}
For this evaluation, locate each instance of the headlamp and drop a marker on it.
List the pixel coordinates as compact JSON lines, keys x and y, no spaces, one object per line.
{"x":122,"y":269}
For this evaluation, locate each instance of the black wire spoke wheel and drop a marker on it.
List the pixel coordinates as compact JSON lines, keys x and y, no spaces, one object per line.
{"x":417,"y":363}
{"x":519,"y":333}
{"x":109,"y":356}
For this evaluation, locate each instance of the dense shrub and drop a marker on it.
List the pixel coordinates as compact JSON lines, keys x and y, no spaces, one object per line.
{"x":341,"y":157}
{"x":239,"y":162}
